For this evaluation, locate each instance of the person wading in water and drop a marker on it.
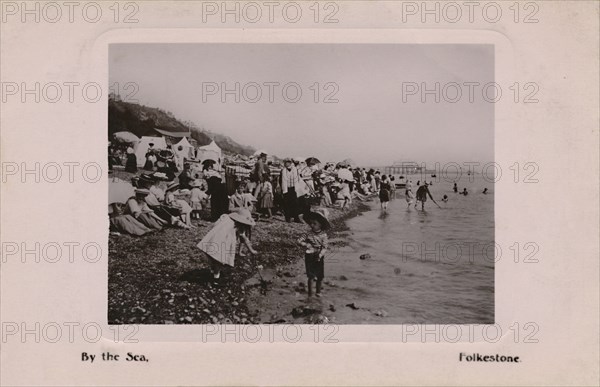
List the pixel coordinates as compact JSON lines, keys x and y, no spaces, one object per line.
{"x":422,"y":194}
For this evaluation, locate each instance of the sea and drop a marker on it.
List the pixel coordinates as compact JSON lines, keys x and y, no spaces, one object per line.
{"x":425,"y":267}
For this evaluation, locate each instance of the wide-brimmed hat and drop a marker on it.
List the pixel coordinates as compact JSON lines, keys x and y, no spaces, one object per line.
{"x":173,"y":186}
{"x":321,"y":215}
{"x":287,"y":160}
{"x":142,"y":191}
{"x":242,"y":215}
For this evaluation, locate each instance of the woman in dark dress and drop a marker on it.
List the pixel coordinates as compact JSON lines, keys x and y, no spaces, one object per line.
{"x":385,"y":187}
{"x":219,"y":201}
{"x":131,"y":164}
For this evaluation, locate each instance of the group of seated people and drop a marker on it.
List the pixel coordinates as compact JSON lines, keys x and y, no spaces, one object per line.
{"x":152,"y":209}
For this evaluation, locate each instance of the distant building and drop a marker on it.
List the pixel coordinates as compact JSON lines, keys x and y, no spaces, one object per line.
{"x":404,"y":168}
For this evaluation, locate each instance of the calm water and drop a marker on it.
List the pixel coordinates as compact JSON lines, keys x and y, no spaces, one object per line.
{"x":432,"y":266}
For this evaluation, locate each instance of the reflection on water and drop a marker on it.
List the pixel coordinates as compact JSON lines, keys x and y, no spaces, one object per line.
{"x":434,"y":266}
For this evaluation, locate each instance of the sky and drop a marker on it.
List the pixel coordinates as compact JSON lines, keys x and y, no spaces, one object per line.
{"x":373,"y":121}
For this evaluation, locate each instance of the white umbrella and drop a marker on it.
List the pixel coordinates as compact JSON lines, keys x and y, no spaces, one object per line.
{"x":345,"y":174}
{"x":350,"y":163}
{"x":127,"y":137}
{"x":119,"y":192}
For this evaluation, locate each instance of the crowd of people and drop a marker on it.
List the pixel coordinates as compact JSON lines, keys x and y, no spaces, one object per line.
{"x":170,"y":193}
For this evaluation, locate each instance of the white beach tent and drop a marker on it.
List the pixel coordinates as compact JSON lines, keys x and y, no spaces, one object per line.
{"x":142,"y":147}
{"x":210,"y":151}
{"x":187,"y":150}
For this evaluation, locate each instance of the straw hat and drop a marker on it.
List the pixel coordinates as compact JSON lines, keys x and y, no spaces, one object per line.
{"x":243,"y":216}
{"x":321,"y":215}
{"x":142,"y":191}
{"x":173,"y":186}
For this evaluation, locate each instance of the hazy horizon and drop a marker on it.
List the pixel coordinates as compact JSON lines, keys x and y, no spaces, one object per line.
{"x":370,"y":123}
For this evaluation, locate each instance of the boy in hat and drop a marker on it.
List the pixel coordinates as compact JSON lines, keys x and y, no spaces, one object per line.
{"x":315,"y":242}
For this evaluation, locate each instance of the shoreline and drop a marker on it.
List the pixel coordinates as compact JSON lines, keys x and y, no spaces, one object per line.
{"x":163,"y":278}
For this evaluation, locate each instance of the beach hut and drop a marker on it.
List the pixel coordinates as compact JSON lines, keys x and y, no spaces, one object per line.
{"x":143,"y":145}
{"x":210,"y":151}
{"x":187,"y":150}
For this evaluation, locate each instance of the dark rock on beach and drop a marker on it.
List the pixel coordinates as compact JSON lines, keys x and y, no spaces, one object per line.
{"x":303,"y":311}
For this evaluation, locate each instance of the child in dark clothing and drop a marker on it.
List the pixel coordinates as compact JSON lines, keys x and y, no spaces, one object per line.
{"x":315,"y":242}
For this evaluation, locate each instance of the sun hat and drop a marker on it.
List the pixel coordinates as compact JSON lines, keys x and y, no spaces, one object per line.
{"x":242,"y":215}
{"x":173,"y":186}
{"x":287,"y":160}
{"x":321,"y":215}
{"x":142,"y":191}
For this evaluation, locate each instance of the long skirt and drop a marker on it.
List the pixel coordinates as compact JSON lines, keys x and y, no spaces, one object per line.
{"x":303,"y":205}
{"x":149,"y":221}
{"x":129,"y":225}
{"x":166,"y":213}
{"x":131,"y":164}
{"x":290,"y":204}
{"x":219,"y":204}
{"x":149,"y":166}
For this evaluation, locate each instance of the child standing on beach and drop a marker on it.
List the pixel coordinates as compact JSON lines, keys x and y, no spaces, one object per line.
{"x":265,"y":195}
{"x":197,"y":197}
{"x":315,"y":242}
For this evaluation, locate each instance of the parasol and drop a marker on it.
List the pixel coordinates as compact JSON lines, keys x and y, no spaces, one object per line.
{"x":312,"y":161}
{"x":119,"y":192}
{"x":350,"y":163}
{"x":126,"y":137}
{"x":345,"y":174}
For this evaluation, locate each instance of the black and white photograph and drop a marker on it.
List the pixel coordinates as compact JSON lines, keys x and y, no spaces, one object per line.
{"x":299,"y":193}
{"x":301,"y":183}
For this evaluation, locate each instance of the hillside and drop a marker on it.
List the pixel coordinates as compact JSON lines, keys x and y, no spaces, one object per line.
{"x":142,"y":120}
